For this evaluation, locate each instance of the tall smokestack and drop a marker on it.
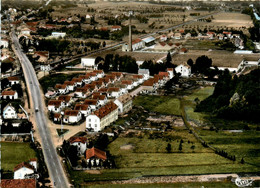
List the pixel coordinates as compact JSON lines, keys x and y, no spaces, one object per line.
{"x":130,"y":31}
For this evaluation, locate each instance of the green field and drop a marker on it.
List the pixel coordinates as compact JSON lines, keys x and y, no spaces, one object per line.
{"x":52,"y":80}
{"x":190,"y":104}
{"x":15,"y":153}
{"x":168,"y":185}
{"x":147,"y":155}
{"x":162,"y":104}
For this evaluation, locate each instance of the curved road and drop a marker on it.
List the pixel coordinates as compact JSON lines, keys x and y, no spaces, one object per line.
{"x":50,"y":155}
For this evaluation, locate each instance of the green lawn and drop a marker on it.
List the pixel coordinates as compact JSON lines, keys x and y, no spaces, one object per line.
{"x":15,"y":153}
{"x":190,"y":104}
{"x":161,"y":104}
{"x":52,"y":80}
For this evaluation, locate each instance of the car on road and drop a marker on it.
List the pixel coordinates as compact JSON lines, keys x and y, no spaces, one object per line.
{"x":36,"y":109}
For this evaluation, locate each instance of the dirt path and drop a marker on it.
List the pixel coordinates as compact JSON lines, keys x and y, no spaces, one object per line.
{"x":176,"y":179}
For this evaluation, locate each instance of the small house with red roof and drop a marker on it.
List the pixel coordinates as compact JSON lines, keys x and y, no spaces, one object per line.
{"x":82,"y":93}
{"x":102,"y":117}
{"x":113,"y":92}
{"x":66,"y":99}
{"x":72,"y":116}
{"x":101,"y":98}
{"x":25,"y":168}
{"x":163,"y":38}
{"x":83,"y":108}
{"x":13,"y":80}
{"x":129,"y":84}
{"x":62,"y":88}
{"x":100,"y":73}
{"x":78,"y":81}
{"x":116,"y":28}
{"x":43,"y":55}
{"x":93,"y":103}
{"x":85,"y":78}
{"x":70,"y":84}
{"x":55,"y":105}
{"x":95,"y":157}
{"x":12,"y":95}
{"x":80,"y":142}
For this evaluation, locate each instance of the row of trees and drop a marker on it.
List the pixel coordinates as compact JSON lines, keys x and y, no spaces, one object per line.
{"x":117,"y":63}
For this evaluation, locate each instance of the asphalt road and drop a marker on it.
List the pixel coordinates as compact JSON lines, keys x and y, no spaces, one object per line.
{"x":52,"y":160}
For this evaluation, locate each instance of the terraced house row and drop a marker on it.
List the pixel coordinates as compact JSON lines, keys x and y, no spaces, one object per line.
{"x":99,"y":98}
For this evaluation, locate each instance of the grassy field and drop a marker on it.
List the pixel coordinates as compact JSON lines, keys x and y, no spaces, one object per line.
{"x":52,"y":80}
{"x":190,"y":104}
{"x":168,"y":185}
{"x":242,"y":145}
{"x":161,"y":104}
{"x":15,"y":153}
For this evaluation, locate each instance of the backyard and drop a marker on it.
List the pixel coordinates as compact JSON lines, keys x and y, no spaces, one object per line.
{"x":15,"y":153}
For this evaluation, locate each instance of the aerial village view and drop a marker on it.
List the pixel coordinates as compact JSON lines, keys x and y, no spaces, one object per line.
{"x":130,"y":93}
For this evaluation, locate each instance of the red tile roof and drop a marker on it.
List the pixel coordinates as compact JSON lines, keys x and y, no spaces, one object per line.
{"x":10,"y":92}
{"x":13,"y":78}
{"x":90,"y":86}
{"x":91,"y":101}
{"x":116,"y":27}
{"x":69,"y":83}
{"x":18,"y":183}
{"x":99,"y":97}
{"x":162,"y":43}
{"x":94,"y":152}
{"x":149,"y":82}
{"x":55,"y":103}
{"x":77,"y":79}
{"x":83,"y":90}
{"x":57,"y":115}
{"x":71,"y":112}
{"x":103,"y":90}
{"x":81,"y":139}
{"x":98,"y":71}
{"x":111,"y":89}
{"x":23,"y":164}
{"x":65,"y":98}
{"x":79,"y":106}
{"x":60,"y":86}
{"x":164,"y":74}
{"x":136,"y":41}
{"x":138,"y":76}
{"x":32,"y":23}
{"x":105,"y":110}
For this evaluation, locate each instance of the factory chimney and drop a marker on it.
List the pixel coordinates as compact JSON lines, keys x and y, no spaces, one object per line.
{"x":130,"y":32}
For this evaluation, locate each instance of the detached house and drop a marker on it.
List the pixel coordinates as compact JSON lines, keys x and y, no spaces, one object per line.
{"x":12,"y":95}
{"x":82,"y":92}
{"x":70,"y":84}
{"x":95,"y":156}
{"x":124,"y":103}
{"x":78,"y":81}
{"x":9,"y":112}
{"x":93,"y":103}
{"x":101,"y":98}
{"x":24,"y":169}
{"x":62,"y":88}
{"x":113,"y":92}
{"x":100,"y":73}
{"x":66,"y":99}
{"x":55,"y":105}
{"x":102,"y":117}
{"x":184,"y":70}
{"x":83,"y":108}
{"x":13,"y":80}
{"x":72,"y":116}
{"x":80,"y":142}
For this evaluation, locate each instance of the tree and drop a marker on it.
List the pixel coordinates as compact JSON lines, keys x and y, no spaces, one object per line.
{"x":202,"y":64}
{"x":169,"y":148}
{"x":242,"y":161}
{"x":168,"y":60}
{"x":180,"y":146}
{"x":190,"y":63}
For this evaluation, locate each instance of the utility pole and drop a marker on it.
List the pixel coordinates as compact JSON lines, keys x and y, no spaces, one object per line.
{"x":130,"y":31}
